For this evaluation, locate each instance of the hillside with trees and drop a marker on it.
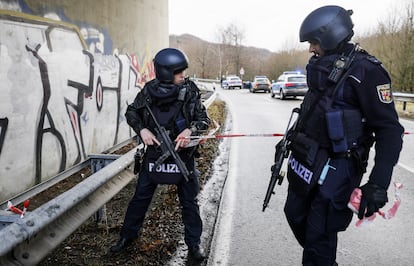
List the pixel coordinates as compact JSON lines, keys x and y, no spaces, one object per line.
{"x":391,"y":42}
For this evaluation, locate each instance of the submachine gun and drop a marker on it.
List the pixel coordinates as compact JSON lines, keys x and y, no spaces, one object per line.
{"x":167,"y":148}
{"x":282,"y":152}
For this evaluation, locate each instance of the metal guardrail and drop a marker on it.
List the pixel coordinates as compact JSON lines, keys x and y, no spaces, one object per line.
{"x":21,"y":197}
{"x":403,"y":97}
{"x":31,"y":192}
{"x":30,"y":239}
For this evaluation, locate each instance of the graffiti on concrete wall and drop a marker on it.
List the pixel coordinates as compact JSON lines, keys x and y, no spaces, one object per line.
{"x":59,"y":101}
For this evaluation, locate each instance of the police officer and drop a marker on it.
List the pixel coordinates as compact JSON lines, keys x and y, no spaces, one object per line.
{"x":175,"y":103}
{"x":349,"y":107}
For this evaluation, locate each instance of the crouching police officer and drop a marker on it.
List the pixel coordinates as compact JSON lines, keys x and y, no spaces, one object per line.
{"x":349,"y":106}
{"x":174,"y":102}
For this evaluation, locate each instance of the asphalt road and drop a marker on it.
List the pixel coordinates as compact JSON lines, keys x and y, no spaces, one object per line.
{"x":244,"y":235}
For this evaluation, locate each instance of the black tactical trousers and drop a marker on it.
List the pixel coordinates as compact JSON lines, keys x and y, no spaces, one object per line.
{"x":187,"y":193}
{"x":316,"y":219}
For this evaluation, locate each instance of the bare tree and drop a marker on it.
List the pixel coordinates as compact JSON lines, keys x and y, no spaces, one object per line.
{"x":406,"y":53}
{"x":231,"y":39}
{"x":201,"y":59}
{"x":392,"y":43}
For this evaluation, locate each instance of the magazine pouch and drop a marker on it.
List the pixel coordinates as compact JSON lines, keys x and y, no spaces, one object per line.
{"x":305,"y":164}
{"x":336,"y":131}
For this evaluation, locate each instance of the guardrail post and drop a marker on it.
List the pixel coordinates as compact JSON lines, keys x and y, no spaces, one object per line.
{"x":99,"y":161}
{"x":404,"y":98}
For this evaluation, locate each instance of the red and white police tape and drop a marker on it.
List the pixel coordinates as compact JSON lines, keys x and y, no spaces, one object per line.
{"x":195,"y":140}
{"x":355,"y":200}
{"x":11,"y":207}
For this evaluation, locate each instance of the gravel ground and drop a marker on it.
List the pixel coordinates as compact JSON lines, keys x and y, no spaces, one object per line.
{"x":162,"y":231}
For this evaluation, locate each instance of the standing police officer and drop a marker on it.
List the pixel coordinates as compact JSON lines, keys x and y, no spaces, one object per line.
{"x":348,"y":108}
{"x":174,"y":101}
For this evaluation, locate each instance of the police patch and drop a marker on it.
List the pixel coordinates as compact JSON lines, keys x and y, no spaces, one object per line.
{"x":384,"y":93}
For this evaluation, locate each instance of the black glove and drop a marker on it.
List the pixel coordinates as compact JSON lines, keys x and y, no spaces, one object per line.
{"x":373,"y":198}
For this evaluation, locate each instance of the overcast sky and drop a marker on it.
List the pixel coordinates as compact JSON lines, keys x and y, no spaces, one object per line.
{"x":270,"y":24}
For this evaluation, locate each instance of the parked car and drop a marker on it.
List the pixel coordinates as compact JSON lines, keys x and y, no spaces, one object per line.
{"x":232,"y":82}
{"x":260,"y":83}
{"x":289,"y":84}
{"x":247,"y":84}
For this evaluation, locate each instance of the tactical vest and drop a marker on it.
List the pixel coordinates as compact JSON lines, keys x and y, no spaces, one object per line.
{"x":325,"y":116}
{"x":169,"y":112}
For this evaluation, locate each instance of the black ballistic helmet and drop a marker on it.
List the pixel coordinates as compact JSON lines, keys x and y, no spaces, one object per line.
{"x":168,"y":62}
{"x":329,"y":26}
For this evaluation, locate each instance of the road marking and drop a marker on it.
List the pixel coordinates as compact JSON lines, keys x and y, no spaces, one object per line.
{"x":409,"y":169}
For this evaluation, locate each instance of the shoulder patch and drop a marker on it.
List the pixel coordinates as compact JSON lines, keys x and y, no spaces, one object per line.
{"x":385,"y":93}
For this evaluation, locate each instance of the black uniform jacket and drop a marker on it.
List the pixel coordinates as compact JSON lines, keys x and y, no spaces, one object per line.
{"x":193,"y":109}
{"x":368,"y":89}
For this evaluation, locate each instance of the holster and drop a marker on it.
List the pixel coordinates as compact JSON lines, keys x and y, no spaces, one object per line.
{"x":139,"y":156}
{"x":361,"y":155}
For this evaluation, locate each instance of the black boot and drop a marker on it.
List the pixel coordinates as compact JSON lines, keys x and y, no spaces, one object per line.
{"x":121,"y":245}
{"x":196,"y":253}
